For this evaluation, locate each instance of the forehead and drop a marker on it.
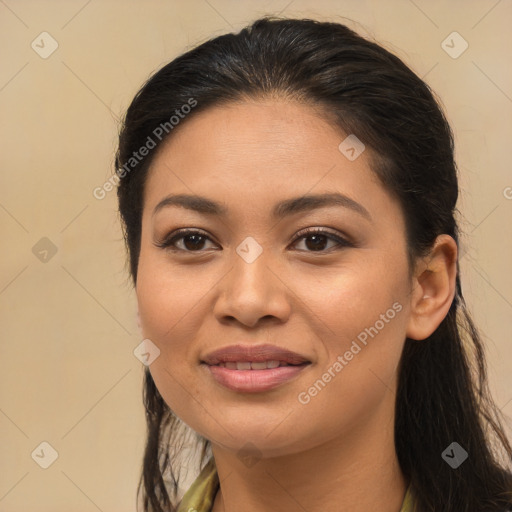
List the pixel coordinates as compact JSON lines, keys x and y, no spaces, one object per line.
{"x":260,"y":129}
{"x":256,"y":153}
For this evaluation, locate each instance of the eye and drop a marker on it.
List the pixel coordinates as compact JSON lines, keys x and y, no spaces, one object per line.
{"x":194,"y":240}
{"x":318,"y":238}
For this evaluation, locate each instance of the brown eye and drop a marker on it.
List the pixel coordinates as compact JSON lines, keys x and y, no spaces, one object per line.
{"x":193,"y":241}
{"x":317,"y":239}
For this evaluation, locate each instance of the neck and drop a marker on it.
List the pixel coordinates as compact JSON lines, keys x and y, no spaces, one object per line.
{"x":357,"y":471}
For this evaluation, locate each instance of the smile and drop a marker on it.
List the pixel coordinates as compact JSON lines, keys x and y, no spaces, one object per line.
{"x":254,"y":377}
{"x":252,"y":365}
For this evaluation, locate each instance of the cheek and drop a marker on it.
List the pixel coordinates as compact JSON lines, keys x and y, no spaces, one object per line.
{"x":169,"y":304}
{"x":363,"y":316}
{"x":168,"y":307}
{"x":166,"y":296}
{"x":347,"y":300}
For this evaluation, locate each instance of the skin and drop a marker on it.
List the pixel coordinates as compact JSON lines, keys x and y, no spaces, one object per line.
{"x":337,"y":451}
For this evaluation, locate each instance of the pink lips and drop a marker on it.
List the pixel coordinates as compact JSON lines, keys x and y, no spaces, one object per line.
{"x":282,"y":364}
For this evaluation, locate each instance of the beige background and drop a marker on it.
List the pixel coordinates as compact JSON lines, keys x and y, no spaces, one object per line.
{"x":68,"y":325}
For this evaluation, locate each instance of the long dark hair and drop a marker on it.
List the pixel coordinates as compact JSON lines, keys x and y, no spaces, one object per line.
{"x":362,"y":88}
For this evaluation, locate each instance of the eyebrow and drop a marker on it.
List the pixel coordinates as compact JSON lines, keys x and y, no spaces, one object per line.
{"x":280,"y":210}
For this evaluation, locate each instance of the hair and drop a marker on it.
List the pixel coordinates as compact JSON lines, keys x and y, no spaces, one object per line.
{"x":362,"y":89}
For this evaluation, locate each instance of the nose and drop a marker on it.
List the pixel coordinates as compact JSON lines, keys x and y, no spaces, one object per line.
{"x":253,"y":291}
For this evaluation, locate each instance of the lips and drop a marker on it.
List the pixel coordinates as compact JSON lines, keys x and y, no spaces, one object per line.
{"x":254,"y":369}
{"x":240,"y":354}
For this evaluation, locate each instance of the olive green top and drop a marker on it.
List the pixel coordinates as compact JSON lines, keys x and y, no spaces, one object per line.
{"x":201,"y":494}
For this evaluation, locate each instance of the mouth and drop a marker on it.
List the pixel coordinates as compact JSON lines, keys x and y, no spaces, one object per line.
{"x":254,"y":369}
{"x":255,"y":365}
{"x":254,"y":354}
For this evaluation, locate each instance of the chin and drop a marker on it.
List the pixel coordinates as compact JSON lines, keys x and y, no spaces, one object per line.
{"x":256,"y":441}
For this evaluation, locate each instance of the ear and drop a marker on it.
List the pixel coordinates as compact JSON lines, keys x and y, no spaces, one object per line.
{"x":138,"y":321}
{"x":433,"y":288}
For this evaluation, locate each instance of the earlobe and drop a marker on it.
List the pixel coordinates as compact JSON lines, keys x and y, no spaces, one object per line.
{"x":433,"y":288}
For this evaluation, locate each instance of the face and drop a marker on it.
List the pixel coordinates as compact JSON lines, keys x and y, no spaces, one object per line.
{"x":325,"y":280}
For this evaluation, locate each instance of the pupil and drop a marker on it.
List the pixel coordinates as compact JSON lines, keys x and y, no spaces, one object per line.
{"x":195,"y":244}
{"x":318,"y":244}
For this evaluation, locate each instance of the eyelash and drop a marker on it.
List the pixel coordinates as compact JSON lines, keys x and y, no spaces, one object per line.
{"x":168,"y":243}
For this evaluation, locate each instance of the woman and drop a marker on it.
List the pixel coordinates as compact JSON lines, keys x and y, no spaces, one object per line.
{"x":287,"y":196}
